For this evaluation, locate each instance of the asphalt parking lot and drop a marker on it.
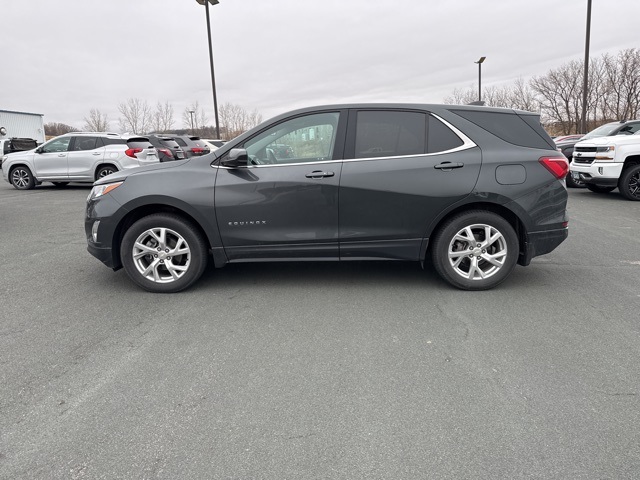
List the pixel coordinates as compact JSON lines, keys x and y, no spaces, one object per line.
{"x":355,"y":370}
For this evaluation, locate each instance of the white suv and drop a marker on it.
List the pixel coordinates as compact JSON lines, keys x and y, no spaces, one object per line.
{"x":77,"y":157}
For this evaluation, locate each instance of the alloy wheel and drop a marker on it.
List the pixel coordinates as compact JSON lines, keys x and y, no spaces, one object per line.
{"x":161,"y":255}
{"x":477,"y":251}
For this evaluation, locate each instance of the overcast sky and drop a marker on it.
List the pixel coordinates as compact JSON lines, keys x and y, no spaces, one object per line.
{"x":61,"y":58}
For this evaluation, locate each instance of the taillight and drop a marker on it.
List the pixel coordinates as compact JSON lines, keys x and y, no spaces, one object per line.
{"x":558,"y":166}
{"x":197,"y":150}
{"x":131,"y":152}
{"x":166,"y":152}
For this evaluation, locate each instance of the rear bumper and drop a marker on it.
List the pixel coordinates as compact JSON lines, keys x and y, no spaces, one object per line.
{"x":539,"y":243}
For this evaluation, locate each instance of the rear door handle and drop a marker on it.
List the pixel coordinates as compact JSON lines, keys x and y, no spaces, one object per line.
{"x":319,"y":174}
{"x":448,"y":166}
{"x":96,"y":154}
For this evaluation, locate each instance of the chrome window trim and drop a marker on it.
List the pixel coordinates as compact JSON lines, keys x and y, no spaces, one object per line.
{"x":467,"y":143}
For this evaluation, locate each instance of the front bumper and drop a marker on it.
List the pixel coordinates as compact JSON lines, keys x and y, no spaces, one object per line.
{"x":605,"y":174}
{"x":108,"y":212}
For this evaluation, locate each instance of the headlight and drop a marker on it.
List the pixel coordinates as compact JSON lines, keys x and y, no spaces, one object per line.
{"x":605,"y":153}
{"x":100,"y":190}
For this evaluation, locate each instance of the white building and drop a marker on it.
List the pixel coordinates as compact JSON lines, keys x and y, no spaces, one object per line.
{"x":21,"y":125}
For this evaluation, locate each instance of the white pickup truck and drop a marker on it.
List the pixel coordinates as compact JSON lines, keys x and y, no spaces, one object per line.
{"x":608,"y":162}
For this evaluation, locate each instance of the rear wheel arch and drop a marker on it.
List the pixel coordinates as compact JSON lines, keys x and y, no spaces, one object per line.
{"x":100,"y":166}
{"x":500,"y":210}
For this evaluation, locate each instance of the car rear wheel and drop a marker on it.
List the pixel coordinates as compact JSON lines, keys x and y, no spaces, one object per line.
{"x":599,"y":189}
{"x":475,"y":250}
{"x":104,"y":171}
{"x":629,"y":184}
{"x":162,"y":253}
{"x":22,"y":178}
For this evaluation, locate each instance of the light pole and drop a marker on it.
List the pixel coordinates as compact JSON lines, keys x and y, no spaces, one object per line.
{"x":213,"y":77}
{"x":479,"y":62}
{"x":191,"y":112}
{"x":585,"y":82}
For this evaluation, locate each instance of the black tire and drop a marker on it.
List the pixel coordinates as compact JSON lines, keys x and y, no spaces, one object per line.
{"x":599,"y":189}
{"x":169,"y":274}
{"x":471,"y":261}
{"x":105,"y":170}
{"x":629,"y":183}
{"x":571,"y":183}
{"x":60,"y":184}
{"x":22,"y":178}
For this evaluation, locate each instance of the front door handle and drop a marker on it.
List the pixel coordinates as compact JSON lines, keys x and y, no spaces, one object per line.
{"x":62,"y":154}
{"x":96,"y":154}
{"x":448,"y":166}
{"x":319,"y":174}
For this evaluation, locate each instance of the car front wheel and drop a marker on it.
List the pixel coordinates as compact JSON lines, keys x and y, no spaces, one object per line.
{"x":162,"y":253}
{"x":475,"y":250}
{"x":629,"y":185}
{"x":22,"y":178}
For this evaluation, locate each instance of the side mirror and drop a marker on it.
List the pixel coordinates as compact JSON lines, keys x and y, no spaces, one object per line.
{"x":39,"y":150}
{"x":237,"y":157}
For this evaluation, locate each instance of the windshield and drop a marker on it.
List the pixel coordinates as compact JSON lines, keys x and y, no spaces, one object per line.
{"x":602,"y":131}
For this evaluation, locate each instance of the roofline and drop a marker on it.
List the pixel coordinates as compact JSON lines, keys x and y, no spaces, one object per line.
{"x":22,"y":113}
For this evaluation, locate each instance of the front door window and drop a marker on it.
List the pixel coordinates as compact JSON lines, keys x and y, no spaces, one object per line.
{"x":310,"y":138}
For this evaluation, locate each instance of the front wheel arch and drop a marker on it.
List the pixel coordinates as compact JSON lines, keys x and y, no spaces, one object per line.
{"x":144,"y":211}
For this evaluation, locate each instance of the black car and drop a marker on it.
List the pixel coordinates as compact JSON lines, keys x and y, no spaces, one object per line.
{"x":608,"y":129}
{"x":474,"y":189}
{"x":168,"y":148}
{"x":193,"y":146}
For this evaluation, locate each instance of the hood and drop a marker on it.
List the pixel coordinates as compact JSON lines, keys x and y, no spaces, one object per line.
{"x":613,"y":140}
{"x":122,"y":174}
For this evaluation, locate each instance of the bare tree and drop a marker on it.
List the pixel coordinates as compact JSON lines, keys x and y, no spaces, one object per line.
{"x":194,"y":118}
{"x":462,"y":96}
{"x":54,"y":129}
{"x":136,"y":116}
{"x":97,"y":121}
{"x":621,"y":96}
{"x":163,"y":117}
{"x":234,"y":120}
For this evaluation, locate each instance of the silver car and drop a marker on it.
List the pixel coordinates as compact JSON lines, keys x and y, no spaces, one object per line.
{"x":77,"y":157}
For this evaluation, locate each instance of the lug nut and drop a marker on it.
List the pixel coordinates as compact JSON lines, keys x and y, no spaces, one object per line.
{"x":159,"y":249}
{"x":167,"y":250}
{"x":156,"y":255}
{"x":161,"y":261}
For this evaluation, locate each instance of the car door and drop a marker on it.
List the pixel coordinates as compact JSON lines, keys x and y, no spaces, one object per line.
{"x":284,"y":207}
{"x":50,"y":160}
{"x":401,"y":169}
{"x":85,"y":153}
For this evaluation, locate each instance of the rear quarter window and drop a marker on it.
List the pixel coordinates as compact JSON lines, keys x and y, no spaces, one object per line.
{"x":510,"y":127}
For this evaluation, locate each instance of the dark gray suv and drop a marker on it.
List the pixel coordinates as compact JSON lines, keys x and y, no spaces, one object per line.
{"x":474,"y":189}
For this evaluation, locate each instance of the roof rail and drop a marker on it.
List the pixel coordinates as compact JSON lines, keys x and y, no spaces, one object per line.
{"x":95,"y":133}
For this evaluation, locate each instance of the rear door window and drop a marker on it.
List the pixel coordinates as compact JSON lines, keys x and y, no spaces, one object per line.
{"x":386,"y":133}
{"x":84,"y":143}
{"x":441,"y":138}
